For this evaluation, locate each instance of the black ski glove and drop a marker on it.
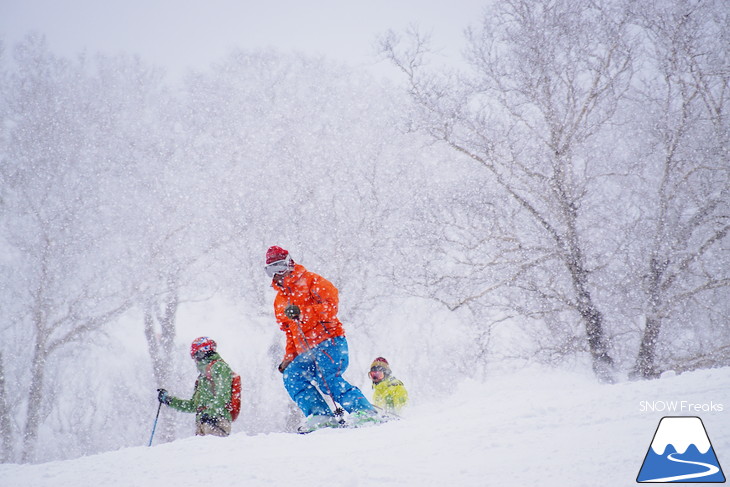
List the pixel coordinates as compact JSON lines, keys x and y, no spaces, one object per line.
{"x":163,"y":396}
{"x":292,"y":312}
{"x":283,"y":365}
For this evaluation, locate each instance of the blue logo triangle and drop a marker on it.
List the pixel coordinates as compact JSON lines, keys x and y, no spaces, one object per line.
{"x":680,"y":451}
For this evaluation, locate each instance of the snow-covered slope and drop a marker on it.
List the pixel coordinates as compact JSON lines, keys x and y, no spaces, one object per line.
{"x":528,"y":428}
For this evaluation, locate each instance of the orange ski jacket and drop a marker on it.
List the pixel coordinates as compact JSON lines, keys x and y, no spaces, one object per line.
{"x":317,"y":299}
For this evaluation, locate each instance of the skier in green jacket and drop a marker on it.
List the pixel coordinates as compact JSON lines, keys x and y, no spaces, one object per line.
{"x":212,"y":391}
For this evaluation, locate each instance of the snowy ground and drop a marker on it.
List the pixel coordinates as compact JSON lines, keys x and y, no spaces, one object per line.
{"x":531,"y":428}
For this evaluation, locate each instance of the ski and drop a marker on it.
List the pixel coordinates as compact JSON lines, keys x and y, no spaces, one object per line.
{"x":352,"y":422}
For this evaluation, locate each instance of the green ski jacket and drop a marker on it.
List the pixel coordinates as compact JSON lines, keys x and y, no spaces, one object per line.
{"x":212,"y":390}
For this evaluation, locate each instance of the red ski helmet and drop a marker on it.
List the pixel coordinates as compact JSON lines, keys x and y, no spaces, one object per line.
{"x":202,"y":344}
{"x":276,"y":253}
{"x":381,"y":363}
{"x":278,"y":262}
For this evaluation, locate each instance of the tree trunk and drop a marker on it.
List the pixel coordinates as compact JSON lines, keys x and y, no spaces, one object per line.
{"x":160,"y":346}
{"x":602,"y":361}
{"x":575,"y":261}
{"x":594,"y":325}
{"x":644,"y":366}
{"x":35,"y":395}
{"x":6,"y":433}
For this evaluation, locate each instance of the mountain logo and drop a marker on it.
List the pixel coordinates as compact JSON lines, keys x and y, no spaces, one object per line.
{"x":680,"y":452}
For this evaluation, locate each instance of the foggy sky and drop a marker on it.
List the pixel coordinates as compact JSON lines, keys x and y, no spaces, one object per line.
{"x":179,"y":34}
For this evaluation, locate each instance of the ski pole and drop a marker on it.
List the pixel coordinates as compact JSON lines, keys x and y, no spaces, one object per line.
{"x":154,"y":426}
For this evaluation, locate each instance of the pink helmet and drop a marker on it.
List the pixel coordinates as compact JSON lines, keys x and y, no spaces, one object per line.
{"x":203,"y":344}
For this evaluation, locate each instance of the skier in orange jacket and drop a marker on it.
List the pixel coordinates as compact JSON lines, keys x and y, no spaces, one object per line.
{"x":316,"y":348}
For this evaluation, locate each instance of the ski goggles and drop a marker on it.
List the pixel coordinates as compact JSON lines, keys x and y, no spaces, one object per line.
{"x":278,"y":267}
{"x":377,"y":373}
{"x":200,"y":355}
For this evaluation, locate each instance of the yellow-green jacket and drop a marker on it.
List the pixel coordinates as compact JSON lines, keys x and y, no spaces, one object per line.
{"x":390,"y":394}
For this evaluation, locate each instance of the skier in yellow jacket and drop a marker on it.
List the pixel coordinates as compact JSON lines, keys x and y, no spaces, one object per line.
{"x":389,"y":393}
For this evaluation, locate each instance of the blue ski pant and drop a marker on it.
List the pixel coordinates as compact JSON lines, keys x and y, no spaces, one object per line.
{"x":323,"y":366}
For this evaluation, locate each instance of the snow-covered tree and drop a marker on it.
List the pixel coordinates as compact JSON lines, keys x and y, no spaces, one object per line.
{"x":51,"y":222}
{"x":546,"y":79}
{"x":685,"y":270}
{"x":66,"y":149}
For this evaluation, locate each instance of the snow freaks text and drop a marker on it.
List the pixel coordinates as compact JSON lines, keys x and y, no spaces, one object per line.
{"x":680,"y":407}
